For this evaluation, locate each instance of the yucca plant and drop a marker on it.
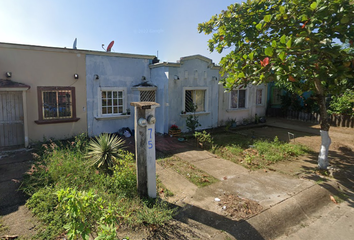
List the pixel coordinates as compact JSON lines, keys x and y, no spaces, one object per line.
{"x":103,"y":151}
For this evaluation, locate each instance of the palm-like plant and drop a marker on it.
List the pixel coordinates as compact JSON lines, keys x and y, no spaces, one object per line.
{"x":103,"y":151}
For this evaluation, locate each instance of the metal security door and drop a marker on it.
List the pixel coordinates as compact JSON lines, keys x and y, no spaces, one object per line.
{"x":11,"y":119}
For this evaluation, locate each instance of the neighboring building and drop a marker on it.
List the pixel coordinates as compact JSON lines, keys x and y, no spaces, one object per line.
{"x":110,"y":80}
{"x":42,"y":99}
{"x":242,"y":104}
{"x":194,"y":79}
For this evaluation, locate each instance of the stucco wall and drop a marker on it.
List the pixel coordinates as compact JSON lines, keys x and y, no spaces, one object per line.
{"x":40,"y":66}
{"x":122,"y":72}
{"x":159,"y":77}
{"x":226,"y":113}
{"x":173,"y":104}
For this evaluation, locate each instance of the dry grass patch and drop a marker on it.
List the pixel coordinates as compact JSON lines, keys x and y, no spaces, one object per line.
{"x":189,"y":171}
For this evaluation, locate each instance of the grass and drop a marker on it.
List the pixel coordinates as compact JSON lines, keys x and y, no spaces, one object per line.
{"x":2,"y":227}
{"x":254,"y":153}
{"x":70,"y":196}
{"x":189,"y":171}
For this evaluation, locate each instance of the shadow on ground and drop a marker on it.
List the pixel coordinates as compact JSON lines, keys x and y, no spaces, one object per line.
{"x":13,"y":165}
{"x":240,"y":230}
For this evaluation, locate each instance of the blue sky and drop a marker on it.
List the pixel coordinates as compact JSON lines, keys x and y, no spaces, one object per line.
{"x":139,"y":27}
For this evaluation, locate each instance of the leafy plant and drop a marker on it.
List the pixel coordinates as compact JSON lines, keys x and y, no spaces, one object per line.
{"x":192,"y":121}
{"x":293,"y":43}
{"x":204,"y":139}
{"x":343,"y":103}
{"x":91,"y":201}
{"x":103,"y":151}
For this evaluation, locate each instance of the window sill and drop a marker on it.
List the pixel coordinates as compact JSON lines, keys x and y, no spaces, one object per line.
{"x":112,"y":117}
{"x":197,"y":114}
{"x":236,"y":109}
{"x":57,"y":121}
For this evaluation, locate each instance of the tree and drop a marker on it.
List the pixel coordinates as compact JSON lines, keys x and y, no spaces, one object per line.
{"x":290,"y":42}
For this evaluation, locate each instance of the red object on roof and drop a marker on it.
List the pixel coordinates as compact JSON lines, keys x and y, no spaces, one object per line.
{"x":110,"y":46}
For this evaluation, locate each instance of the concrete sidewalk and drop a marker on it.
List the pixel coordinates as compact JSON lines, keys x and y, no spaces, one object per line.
{"x":287,"y":201}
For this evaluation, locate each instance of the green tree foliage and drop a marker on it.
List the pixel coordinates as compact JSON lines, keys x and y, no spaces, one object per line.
{"x":291,"y":42}
{"x":343,"y":103}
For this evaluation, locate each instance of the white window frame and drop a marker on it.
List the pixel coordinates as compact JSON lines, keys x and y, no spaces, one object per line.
{"x":206,"y":97}
{"x":99,"y":96}
{"x":246,"y":99}
{"x":263,"y":96}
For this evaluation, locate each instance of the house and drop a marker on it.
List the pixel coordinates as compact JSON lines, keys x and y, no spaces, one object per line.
{"x":194,"y":79}
{"x":48,"y":92}
{"x":242,"y":104}
{"x":42,"y":93}
{"x":110,"y":81}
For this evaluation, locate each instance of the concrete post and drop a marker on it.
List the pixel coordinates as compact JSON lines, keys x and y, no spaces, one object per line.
{"x":145,"y":153}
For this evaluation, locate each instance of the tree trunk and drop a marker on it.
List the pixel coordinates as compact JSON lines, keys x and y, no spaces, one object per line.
{"x":323,"y":161}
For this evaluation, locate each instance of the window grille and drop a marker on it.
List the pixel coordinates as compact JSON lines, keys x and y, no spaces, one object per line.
{"x":56,"y":104}
{"x":147,"y":96}
{"x":194,"y":98}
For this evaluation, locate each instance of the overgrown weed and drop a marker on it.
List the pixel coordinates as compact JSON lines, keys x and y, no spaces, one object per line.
{"x":70,"y":196}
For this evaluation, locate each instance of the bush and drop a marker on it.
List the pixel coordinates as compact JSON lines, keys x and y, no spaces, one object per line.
{"x":192,"y":121}
{"x":204,"y":139}
{"x":103,"y":151}
{"x":343,"y":104}
{"x":67,"y":192}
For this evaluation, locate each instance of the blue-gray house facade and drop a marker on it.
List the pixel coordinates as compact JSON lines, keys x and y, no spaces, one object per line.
{"x":109,"y":81}
{"x":115,"y":80}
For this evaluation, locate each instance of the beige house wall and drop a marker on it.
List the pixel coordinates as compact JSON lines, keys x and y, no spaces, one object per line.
{"x":44,"y":66}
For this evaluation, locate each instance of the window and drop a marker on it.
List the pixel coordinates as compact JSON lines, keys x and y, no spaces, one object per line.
{"x":56,"y":104}
{"x":147,"y":96}
{"x":112,"y":101}
{"x":259,"y":96}
{"x":195,"y":97}
{"x":238,"y":98}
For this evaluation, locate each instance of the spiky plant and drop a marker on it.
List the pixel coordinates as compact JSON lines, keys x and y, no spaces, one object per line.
{"x":103,"y":151}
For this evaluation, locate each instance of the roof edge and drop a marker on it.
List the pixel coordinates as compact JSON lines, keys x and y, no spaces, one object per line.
{"x":71,"y":50}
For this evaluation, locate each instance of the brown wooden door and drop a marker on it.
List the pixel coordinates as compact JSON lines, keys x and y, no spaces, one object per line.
{"x":11,"y":119}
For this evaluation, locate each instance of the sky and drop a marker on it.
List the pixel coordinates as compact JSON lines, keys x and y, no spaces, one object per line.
{"x":167,"y":28}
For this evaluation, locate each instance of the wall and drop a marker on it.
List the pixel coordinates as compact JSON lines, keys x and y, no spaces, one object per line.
{"x":226,"y":114}
{"x":113,"y":71}
{"x":44,"y":66}
{"x":159,"y":77}
{"x":173,"y":98}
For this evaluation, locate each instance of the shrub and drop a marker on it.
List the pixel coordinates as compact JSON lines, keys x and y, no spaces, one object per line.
{"x":192,"y":121}
{"x":103,"y":151}
{"x":343,"y":104}
{"x":204,"y":139}
{"x":65,"y":192}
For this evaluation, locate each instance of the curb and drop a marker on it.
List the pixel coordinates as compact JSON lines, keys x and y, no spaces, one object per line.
{"x":269,"y":224}
{"x":278,"y":219}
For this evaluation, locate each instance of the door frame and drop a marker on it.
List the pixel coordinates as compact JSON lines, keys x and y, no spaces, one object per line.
{"x":24,"y":95}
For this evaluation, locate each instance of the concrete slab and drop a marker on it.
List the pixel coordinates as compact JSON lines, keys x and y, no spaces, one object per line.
{"x":220,"y":168}
{"x":267,"y":188}
{"x":194,"y":155}
{"x":286,"y":200}
{"x":177,"y":184}
{"x":337,"y":223}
